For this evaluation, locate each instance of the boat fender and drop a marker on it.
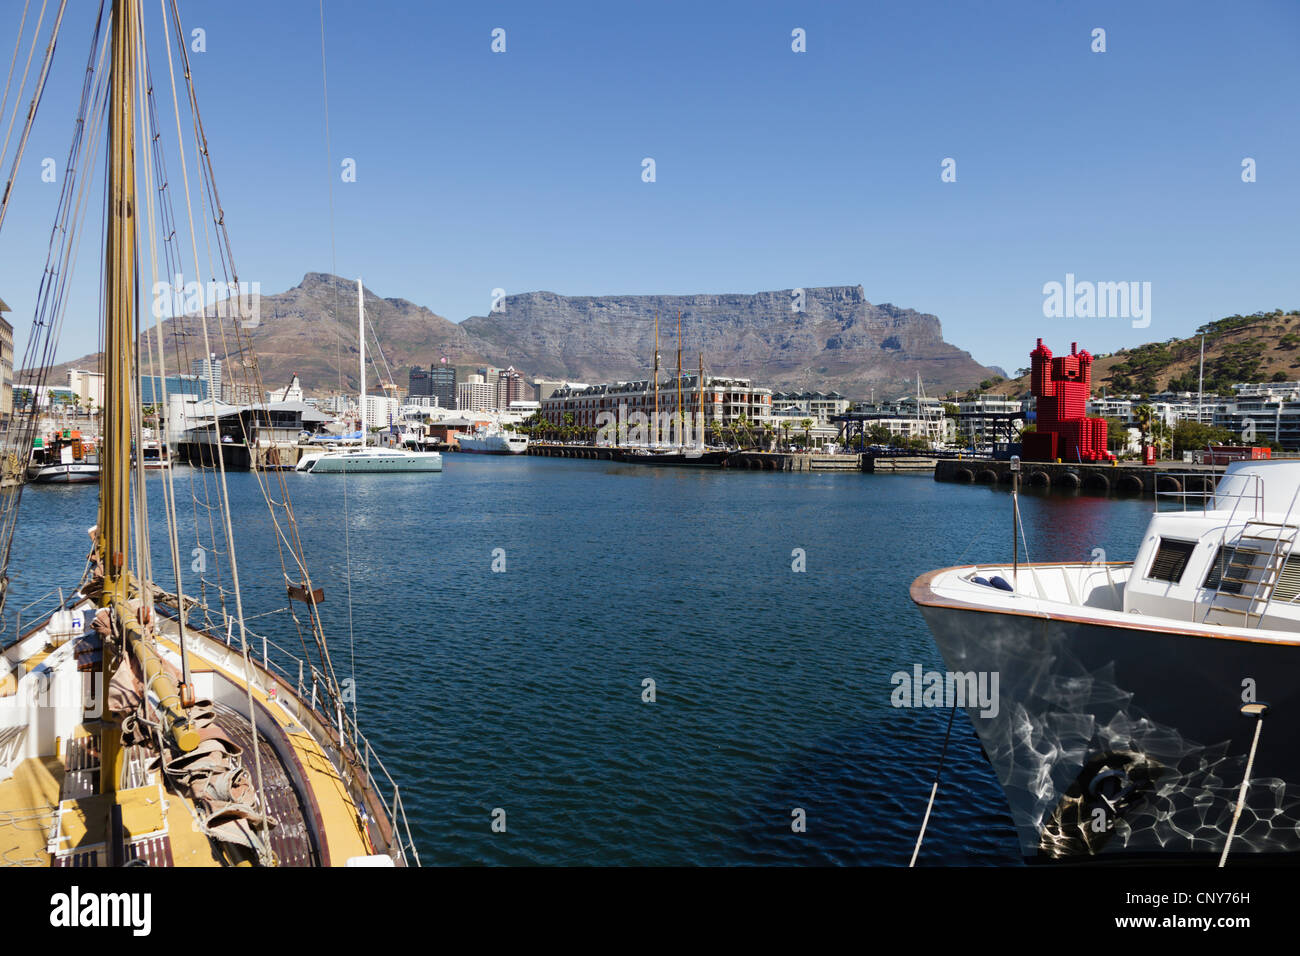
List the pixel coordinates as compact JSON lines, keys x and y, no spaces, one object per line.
{"x":981,"y":580}
{"x":1000,"y":583}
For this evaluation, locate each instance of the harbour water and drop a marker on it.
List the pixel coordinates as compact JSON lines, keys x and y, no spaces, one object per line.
{"x":522,"y":688}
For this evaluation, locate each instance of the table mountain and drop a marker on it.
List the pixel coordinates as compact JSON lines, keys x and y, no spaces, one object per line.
{"x":838,"y":340}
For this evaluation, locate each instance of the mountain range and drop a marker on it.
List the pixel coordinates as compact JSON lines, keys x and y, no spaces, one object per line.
{"x":828,"y":338}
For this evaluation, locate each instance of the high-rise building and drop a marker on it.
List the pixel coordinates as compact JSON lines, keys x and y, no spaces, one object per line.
{"x":510,"y":387}
{"x":210,"y":369}
{"x":420,"y":382}
{"x":442,"y":384}
{"x":475,"y":395}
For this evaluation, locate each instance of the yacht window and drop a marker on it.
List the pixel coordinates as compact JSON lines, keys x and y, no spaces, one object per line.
{"x":1171,"y":560}
{"x":1288,"y":581}
{"x":1230,"y":570}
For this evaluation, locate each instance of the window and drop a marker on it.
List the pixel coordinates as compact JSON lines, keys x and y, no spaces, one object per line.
{"x":1171,"y":560}
{"x":1287,"y":588}
{"x":1229,"y":571}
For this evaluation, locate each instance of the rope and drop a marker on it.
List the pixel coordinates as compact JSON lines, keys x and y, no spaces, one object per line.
{"x":220,"y":458}
{"x":1258,"y":714}
{"x":31,"y":110}
{"x":338,"y":353}
{"x":934,"y":788}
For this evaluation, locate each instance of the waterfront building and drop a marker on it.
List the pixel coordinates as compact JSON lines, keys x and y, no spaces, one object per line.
{"x":475,"y":394}
{"x":726,"y":400}
{"x":821,"y":407}
{"x":6,"y":365}
{"x":154,"y":387}
{"x":989,"y":417}
{"x":1262,"y":413}
{"x":908,"y":417}
{"x":545,"y":388}
{"x":89,"y":386}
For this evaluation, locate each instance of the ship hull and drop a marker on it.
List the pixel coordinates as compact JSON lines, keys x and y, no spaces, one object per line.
{"x":1113,"y":741}
{"x":61,"y":474}
{"x":492,"y":445}
{"x":708,"y":459}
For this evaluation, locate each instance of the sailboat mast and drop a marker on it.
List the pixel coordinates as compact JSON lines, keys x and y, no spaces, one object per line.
{"x":120,"y":308}
{"x":361,"y":340}
{"x":699,"y":428}
{"x":680,"y":417}
{"x":655,"y":431}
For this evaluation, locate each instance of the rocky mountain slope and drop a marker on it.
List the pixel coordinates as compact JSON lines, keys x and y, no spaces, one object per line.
{"x":835,"y":340}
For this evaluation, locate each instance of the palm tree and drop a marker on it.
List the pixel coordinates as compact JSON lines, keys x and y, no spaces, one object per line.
{"x":785,"y":436}
{"x":1145,"y":416}
{"x":742,"y":428}
{"x":807,"y":424}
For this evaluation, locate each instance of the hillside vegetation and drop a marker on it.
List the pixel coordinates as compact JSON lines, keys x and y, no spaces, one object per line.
{"x":1264,"y":347}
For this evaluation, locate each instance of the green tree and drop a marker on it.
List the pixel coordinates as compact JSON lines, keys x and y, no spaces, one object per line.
{"x":1189,"y":436}
{"x":1117,"y":436}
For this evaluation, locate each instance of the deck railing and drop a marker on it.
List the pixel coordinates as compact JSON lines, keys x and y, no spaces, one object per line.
{"x":357,"y":762}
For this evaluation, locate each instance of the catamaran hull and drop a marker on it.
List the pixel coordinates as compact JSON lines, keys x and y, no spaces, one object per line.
{"x":337,"y":464}
{"x":1127,"y":741}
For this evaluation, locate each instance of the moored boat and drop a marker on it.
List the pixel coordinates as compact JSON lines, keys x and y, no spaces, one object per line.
{"x":1135,"y":698}
{"x":63,"y":458}
{"x":679,"y":457}
{"x":365,"y":459}
{"x":492,"y":441}
{"x":137,"y":727}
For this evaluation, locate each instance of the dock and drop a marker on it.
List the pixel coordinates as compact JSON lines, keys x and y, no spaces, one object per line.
{"x":1100,"y":479}
{"x":742,"y":460}
{"x":899,"y":464}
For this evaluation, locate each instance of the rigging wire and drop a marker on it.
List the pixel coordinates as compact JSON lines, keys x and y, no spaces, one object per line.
{"x":221,"y":466}
{"x":51,"y":304}
{"x":31,"y":110}
{"x":338,"y":345}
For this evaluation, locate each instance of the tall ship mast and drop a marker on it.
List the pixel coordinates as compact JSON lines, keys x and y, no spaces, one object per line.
{"x":680,"y":417}
{"x":654,"y":431}
{"x":146,"y":723}
{"x":695,"y":456}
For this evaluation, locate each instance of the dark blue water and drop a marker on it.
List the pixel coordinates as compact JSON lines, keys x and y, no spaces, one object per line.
{"x":522,"y":689}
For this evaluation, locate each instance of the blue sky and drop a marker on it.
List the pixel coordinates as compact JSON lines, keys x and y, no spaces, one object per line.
{"x":774,"y":169}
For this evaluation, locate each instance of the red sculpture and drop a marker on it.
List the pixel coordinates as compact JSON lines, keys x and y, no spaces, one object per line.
{"x":1062,"y":387}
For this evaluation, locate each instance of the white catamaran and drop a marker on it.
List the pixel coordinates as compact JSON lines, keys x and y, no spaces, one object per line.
{"x":363,"y":459}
